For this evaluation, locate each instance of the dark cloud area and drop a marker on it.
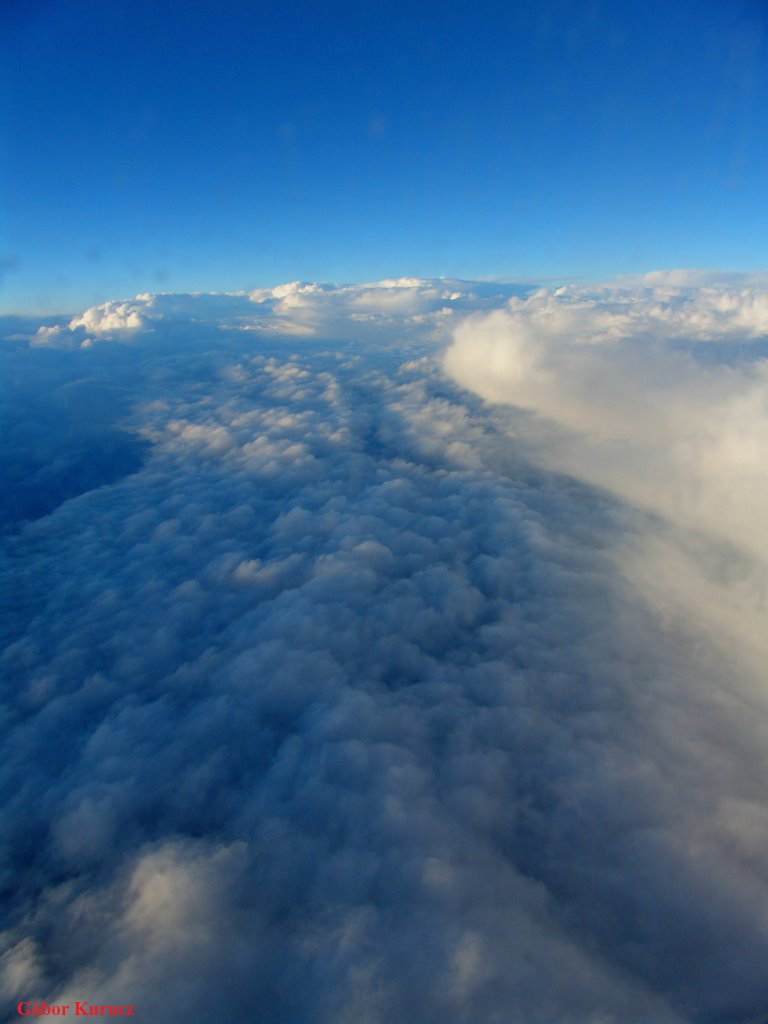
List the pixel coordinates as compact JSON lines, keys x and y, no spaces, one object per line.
{"x":332,"y":695}
{"x":64,"y":445}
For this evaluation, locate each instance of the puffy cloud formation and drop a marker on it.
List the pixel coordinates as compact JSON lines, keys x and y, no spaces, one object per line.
{"x":111,"y":320}
{"x":409,"y":306}
{"x":331,"y":697}
{"x":662,"y":393}
{"x":657,"y":391}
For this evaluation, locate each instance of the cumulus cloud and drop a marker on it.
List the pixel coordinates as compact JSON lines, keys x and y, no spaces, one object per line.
{"x":110,"y":317}
{"x":657,"y":390}
{"x":109,"y":321}
{"x":650,"y":411}
{"x":299,"y":309}
{"x":340,"y":701}
{"x":402,"y":304}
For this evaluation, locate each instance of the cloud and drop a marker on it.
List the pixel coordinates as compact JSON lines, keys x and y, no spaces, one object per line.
{"x":404,"y":304}
{"x":299,"y":309}
{"x":111,"y":321}
{"x":343,"y":702}
{"x":110,"y":317}
{"x":659,"y":394}
{"x":650,"y":412}
{"x":692,"y":278}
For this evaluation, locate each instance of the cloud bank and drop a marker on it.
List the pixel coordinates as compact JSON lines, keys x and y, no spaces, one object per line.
{"x":339,"y":694}
{"x":658,"y":393}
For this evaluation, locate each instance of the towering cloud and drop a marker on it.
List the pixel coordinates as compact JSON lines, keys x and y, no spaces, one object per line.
{"x":339,"y":694}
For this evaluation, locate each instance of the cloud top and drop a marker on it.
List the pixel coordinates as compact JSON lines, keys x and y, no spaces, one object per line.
{"x":346,"y":695}
{"x":661,"y":391}
{"x":413,"y":305}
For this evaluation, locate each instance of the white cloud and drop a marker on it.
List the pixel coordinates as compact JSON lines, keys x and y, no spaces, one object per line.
{"x":109,"y":321}
{"x":660,"y":395}
{"x":298,"y":309}
{"x":336,"y":694}
{"x":407,"y":305}
{"x":650,"y":412}
{"x":110,"y":317}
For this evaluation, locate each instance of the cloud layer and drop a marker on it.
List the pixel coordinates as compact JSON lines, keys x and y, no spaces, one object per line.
{"x":350,"y":697}
{"x":657,"y":391}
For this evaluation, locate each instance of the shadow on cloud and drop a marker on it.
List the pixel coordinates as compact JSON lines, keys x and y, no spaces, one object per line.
{"x":63,"y":445}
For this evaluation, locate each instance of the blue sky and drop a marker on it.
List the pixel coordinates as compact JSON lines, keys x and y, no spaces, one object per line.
{"x":385,"y":652}
{"x":222,"y":145}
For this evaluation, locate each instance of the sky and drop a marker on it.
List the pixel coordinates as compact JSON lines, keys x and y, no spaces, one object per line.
{"x":383,"y":564}
{"x":234,"y":144}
